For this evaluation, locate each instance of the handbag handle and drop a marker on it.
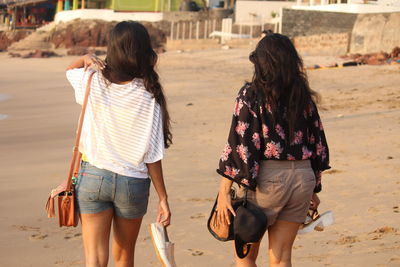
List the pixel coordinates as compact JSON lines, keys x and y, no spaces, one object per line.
{"x":76,"y":155}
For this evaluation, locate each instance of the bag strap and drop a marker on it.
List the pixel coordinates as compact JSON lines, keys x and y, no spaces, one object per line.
{"x":245,"y":196}
{"x":76,"y":155}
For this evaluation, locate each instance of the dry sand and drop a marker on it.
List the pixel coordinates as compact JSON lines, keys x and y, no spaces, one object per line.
{"x":361,"y":114}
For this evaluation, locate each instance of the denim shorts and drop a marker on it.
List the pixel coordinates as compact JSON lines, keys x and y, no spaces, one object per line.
{"x":98,"y":189}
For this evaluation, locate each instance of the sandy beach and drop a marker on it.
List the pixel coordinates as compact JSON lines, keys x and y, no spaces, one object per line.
{"x":360,"y":110}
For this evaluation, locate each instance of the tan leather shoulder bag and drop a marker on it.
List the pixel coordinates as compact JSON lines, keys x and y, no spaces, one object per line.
{"x":67,"y":215}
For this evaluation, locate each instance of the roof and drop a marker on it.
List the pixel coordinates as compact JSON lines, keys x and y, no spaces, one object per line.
{"x":20,"y":2}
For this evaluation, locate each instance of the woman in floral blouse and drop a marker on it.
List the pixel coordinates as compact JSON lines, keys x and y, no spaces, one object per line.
{"x":276,"y":147}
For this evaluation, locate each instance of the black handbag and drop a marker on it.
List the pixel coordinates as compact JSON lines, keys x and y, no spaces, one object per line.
{"x":222,"y":232}
{"x":248,"y":226}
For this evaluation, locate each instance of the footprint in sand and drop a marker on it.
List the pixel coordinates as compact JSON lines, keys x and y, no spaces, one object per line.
{"x":26,"y":228}
{"x":34,"y":237}
{"x":37,"y":237}
{"x":76,"y":236}
{"x":198,"y":216}
{"x":380,"y":232}
{"x":196,"y":252}
{"x":347,"y":240}
{"x":396,"y":209}
{"x":200,"y":199}
{"x":394,"y":262}
{"x":373,"y":210}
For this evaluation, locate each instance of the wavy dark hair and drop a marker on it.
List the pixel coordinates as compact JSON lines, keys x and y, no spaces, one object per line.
{"x":130,"y":55}
{"x":279,"y":77}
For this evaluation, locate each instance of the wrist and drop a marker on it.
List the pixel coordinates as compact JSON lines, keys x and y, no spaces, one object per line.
{"x":225,"y":186}
{"x":163,"y":198}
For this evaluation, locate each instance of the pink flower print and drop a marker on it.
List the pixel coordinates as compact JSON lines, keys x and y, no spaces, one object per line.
{"x":225,"y":153}
{"x":245,"y":181}
{"x":241,"y":128}
{"x":273,"y":150}
{"x":306,"y":153}
{"x":243,"y":152}
{"x":265,"y":131}
{"x":279,"y":131}
{"x":253,"y":113}
{"x":231,"y":172}
{"x":298,"y":138}
{"x":255,"y":170}
{"x":321,"y":150}
{"x":261,"y":111}
{"x":238,"y":107}
{"x":308,"y":111}
{"x":244,"y":92}
{"x":316,"y":124}
{"x":312,"y":139}
{"x":290,"y":157}
{"x":321,"y":128}
{"x":256,"y":140}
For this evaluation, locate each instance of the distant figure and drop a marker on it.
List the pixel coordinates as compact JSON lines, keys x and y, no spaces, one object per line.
{"x":276,"y":147}
{"x":265,"y":33}
{"x":125,"y":130}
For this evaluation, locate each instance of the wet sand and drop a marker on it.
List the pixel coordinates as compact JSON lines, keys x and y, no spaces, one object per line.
{"x":361,"y":115}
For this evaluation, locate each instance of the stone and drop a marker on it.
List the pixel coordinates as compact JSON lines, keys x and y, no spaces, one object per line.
{"x":9,"y":37}
{"x":95,"y":33}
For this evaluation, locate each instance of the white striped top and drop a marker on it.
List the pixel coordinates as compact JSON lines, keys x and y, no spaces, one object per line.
{"x":123,"y":127}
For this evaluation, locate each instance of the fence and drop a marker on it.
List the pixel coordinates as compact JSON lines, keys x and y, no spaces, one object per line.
{"x":210,"y":29}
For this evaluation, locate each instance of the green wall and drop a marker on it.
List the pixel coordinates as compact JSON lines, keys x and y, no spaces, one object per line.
{"x":144,"y":5}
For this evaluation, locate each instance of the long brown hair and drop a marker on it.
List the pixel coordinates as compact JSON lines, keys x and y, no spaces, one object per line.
{"x":130,"y":55}
{"x":279,"y":77}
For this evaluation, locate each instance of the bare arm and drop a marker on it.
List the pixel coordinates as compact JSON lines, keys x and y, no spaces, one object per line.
{"x":86,"y":61}
{"x":156,"y":175}
{"x":224,"y":202}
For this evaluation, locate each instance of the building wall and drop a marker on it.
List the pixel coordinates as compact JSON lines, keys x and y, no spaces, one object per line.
{"x":320,"y":32}
{"x":107,"y":15}
{"x":194,"y":16}
{"x":144,"y":5}
{"x":352,"y":8}
{"x":375,"y":33}
{"x":258,"y":12}
{"x":329,"y":44}
{"x":308,"y":22}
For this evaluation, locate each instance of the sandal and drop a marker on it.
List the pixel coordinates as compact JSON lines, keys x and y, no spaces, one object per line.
{"x":315,"y":221}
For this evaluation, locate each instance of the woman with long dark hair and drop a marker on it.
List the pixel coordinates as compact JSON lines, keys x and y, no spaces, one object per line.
{"x":125,"y":131}
{"x":276,"y":147}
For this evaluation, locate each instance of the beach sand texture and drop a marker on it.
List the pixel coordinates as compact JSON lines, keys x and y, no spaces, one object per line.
{"x":361,"y":115}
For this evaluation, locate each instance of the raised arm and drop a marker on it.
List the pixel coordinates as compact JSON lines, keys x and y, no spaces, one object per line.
{"x":86,"y":61}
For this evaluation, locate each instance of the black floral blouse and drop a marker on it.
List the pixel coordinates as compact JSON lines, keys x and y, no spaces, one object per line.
{"x":256,"y":134}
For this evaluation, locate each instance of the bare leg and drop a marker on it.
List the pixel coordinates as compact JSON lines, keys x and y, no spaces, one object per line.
{"x":250,"y":259}
{"x":96,"y":235}
{"x":124,"y":240}
{"x":281,"y":236}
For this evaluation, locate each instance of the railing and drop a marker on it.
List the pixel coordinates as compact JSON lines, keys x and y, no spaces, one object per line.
{"x":210,"y":29}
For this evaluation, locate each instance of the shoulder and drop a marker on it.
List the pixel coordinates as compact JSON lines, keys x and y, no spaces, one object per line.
{"x":249,"y":95}
{"x":78,"y":74}
{"x":73,"y":74}
{"x":138,"y":86}
{"x":245,"y":91}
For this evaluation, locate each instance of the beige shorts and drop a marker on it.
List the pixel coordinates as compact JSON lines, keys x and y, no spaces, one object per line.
{"x":284,"y":190}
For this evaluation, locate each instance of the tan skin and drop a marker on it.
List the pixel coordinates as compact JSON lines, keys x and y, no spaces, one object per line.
{"x":281,"y":234}
{"x":96,"y":228}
